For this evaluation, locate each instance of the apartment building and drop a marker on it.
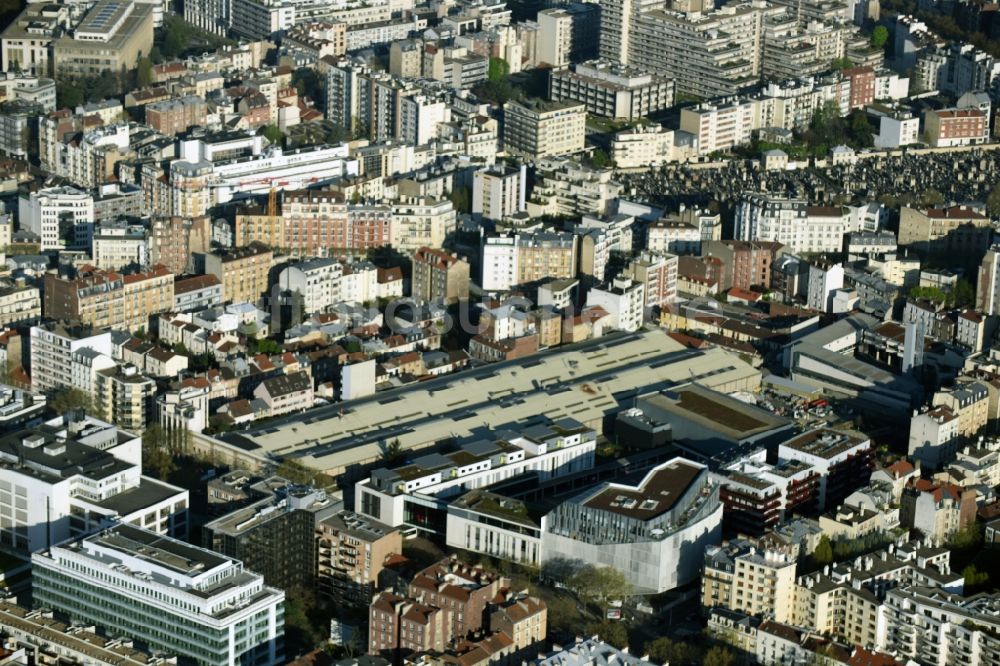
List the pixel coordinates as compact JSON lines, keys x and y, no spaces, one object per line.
{"x":198,"y":292}
{"x":465,"y":592}
{"x":844,"y":460}
{"x":719,"y":127}
{"x":52,"y":347}
{"x":243,"y":271}
{"x":397,"y":625}
{"x":421,"y":221}
{"x":851,"y":600}
{"x":969,"y":402}
{"x":710,"y":53}
{"x":439,"y":276}
{"x":937,"y":509}
{"x":612,"y":90}
{"x":658,"y":275}
{"x":176,"y":115}
{"x":519,"y":258}
{"x":317,"y":282}
{"x":741,"y":576}
{"x":111,"y":37}
{"x":953,"y":231}
{"x":316,"y":223}
{"x":120,"y":245}
{"x":20,"y":303}
{"x":568,"y":33}
{"x":352,"y":551}
{"x":928,"y":624}
{"x":746,"y":265}
{"x":93,"y":580}
{"x":794,"y":223}
{"x":537,"y":129}
{"x":107,"y":299}
{"x":934,"y":437}
{"x":634,"y":528}
{"x":651,"y":145}
{"x":956,"y":127}
{"x":60,"y":216}
{"x":275,"y":535}
{"x":124,"y":396}
{"x":286,"y":393}
{"x":498,"y":192}
{"x":757,"y":496}
{"x":75,"y":474}
{"x":175,"y":240}
{"x":624,"y":299}
{"x":566,"y":187}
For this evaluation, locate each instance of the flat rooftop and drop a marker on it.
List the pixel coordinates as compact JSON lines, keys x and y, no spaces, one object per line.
{"x":160,"y":550}
{"x":716,"y":411}
{"x":826,"y":442}
{"x":586,"y":382}
{"x":655,"y":495}
{"x":147,"y":493}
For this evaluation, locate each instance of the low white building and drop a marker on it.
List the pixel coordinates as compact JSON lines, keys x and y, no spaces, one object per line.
{"x":432,"y":480}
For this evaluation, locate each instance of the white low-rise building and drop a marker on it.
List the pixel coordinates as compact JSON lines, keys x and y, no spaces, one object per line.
{"x":432,"y":480}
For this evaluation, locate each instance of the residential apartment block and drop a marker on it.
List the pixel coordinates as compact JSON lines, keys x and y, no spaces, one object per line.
{"x":106,"y":299}
{"x":534,"y":130}
{"x":352,"y":550}
{"x":439,"y":276}
{"x":612,"y":90}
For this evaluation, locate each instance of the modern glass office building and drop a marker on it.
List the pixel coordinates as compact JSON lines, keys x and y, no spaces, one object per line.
{"x":170,"y":597}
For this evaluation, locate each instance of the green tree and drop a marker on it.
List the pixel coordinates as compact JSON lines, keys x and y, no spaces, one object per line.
{"x":967,"y":538}
{"x":599,"y":158}
{"x":392,"y":452}
{"x":963,"y":294}
{"x":880,"y":36}
{"x":719,"y":656}
{"x":823,"y":554}
{"x":67,"y":400}
{"x":600,"y":585}
{"x":974,"y":579}
{"x":144,"y":72}
{"x":861,"y":130}
{"x":337,"y":134}
{"x":157,"y":459}
{"x":931,"y":197}
{"x":69,"y":94}
{"x":460,"y":200}
{"x":273,"y":134}
{"x":841,"y":63}
{"x":296,"y":472}
{"x":612,"y":633}
{"x":676,"y":653}
{"x":993,"y":201}
{"x":308,"y":83}
{"x":499,"y":70}
{"x":155,"y":55}
{"x":928,"y":293}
